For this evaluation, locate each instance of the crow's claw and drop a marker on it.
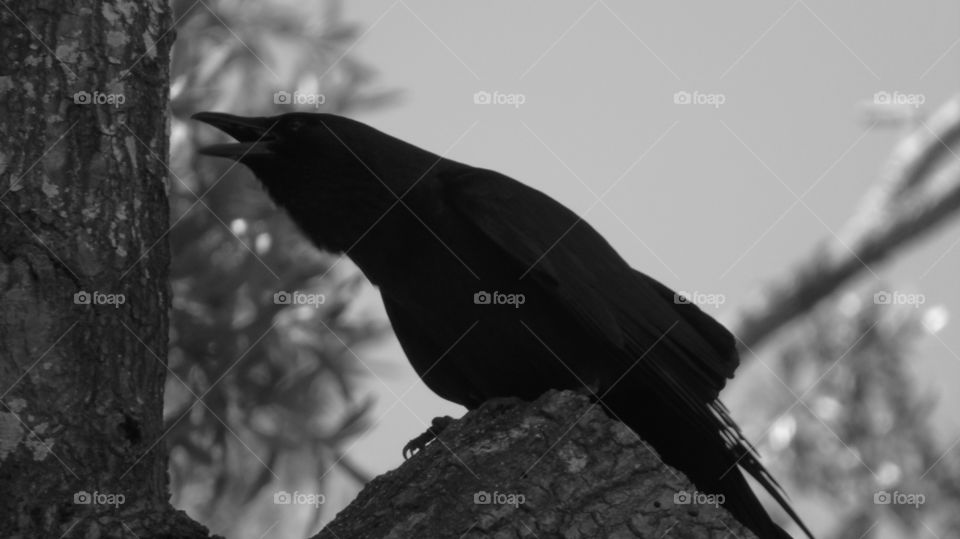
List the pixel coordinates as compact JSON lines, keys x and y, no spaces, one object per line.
{"x":420,"y":442}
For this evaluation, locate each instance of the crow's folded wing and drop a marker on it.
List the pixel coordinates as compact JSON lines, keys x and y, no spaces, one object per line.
{"x":560,"y":251}
{"x":564,"y":254}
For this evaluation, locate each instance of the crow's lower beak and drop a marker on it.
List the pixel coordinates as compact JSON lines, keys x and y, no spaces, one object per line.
{"x":253,"y":135}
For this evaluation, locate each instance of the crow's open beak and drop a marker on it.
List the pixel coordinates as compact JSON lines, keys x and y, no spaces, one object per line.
{"x":253,"y":135}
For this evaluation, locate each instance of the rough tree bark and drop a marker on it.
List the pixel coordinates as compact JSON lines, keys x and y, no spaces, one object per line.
{"x":83,"y":270}
{"x":556,"y":467}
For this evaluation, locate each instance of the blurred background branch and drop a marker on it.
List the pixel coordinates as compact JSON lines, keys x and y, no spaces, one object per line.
{"x":918,"y":189}
{"x":854,"y":430}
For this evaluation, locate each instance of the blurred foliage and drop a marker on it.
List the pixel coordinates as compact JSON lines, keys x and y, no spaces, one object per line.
{"x":854,"y":432}
{"x":261,"y":396}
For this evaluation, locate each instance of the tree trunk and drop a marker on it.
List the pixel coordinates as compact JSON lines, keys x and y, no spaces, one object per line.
{"x":83,"y":270}
{"x":557,"y":467}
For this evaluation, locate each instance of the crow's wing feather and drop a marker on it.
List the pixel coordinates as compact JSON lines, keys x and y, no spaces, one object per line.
{"x":564,"y":253}
{"x":560,"y":250}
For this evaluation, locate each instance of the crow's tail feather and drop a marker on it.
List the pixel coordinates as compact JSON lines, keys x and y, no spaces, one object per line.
{"x":710,"y":458}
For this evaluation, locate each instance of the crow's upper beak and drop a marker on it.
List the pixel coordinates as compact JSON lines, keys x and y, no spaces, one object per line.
{"x":254,"y":135}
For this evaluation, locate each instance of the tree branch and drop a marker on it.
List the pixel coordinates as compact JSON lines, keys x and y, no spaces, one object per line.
{"x":918,"y":190}
{"x":556,"y":466}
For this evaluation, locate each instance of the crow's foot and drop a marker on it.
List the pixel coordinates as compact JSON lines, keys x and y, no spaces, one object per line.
{"x":420,"y":442}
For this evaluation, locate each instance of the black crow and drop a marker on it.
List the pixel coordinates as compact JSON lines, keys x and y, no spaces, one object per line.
{"x":494,"y":289}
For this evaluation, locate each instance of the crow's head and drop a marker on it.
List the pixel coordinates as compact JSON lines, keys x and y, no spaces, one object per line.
{"x":334,"y":175}
{"x":297,"y":137}
{"x":323,"y":147}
